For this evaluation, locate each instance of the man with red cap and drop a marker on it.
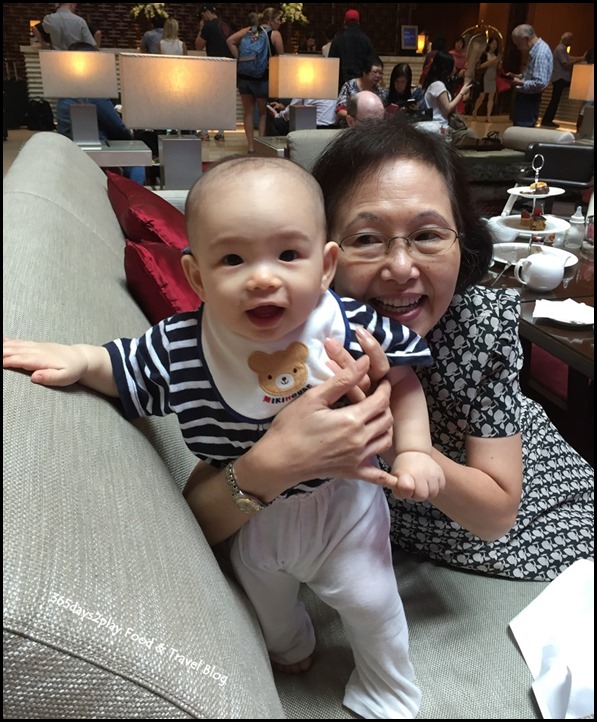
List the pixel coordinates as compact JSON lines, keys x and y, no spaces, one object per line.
{"x":352,"y":47}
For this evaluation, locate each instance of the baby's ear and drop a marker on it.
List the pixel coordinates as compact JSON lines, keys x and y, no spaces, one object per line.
{"x":193,"y":273}
{"x":330,"y":261}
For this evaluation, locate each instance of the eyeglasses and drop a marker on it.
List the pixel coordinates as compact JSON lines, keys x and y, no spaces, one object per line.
{"x":420,"y":244}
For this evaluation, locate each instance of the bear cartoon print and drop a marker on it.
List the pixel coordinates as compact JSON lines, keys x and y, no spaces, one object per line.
{"x":282,"y":374}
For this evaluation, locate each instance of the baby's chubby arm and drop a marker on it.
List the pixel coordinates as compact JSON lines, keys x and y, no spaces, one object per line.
{"x":419,"y":476}
{"x":55,"y":364}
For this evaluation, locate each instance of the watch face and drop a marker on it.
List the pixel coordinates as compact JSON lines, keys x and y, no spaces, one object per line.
{"x":244,"y":503}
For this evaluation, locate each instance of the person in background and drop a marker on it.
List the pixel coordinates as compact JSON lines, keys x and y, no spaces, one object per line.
{"x":437,"y":95}
{"x":329,"y":34}
{"x":95,"y":31}
{"x":561,"y":76}
{"x":211,"y":37}
{"x":363,"y":106}
{"x":171,"y":44}
{"x":150,"y":42}
{"x":256,"y":90}
{"x":309,"y":44}
{"x":352,"y":47}
{"x":439,"y":43}
{"x":66,"y":28}
{"x":530,"y":84}
{"x":41,"y":36}
{"x":458,"y":52}
{"x":490,"y":63}
{"x":518,"y":501}
{"x":400,"y":91}
{"x":278,"y":122}
{"x":370,"y":79}
{"x":109,"y":122}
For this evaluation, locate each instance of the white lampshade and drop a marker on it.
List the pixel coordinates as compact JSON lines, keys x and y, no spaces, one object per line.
{"x":582,"y":86}
{"x":78,"y":74}
{"x":178,"y":91}
{"x":303,"y":76}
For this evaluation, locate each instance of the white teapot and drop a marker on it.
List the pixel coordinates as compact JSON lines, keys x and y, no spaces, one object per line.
{"x":540,"y":271}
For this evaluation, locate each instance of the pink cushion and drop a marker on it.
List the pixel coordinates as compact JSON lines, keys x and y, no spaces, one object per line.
{"x":156,"y":279}
{"x":143,"y":215}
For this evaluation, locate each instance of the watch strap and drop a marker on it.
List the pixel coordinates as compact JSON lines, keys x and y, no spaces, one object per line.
{"x":241,"y":499}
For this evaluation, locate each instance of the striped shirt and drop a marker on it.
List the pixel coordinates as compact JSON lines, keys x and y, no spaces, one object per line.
{"x":164,"y":371}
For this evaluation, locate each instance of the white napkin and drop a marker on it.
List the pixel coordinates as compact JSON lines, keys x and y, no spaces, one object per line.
{"x":568,"y":311}
{"x":555,"y":635}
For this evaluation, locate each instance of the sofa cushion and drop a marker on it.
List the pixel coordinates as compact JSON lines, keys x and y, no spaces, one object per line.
{"x":519,"y":138}
{"x":156,"y":279}
{"x":143,"y":215}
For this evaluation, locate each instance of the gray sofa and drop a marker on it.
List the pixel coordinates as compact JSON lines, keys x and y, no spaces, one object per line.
{"x":114,"y":604}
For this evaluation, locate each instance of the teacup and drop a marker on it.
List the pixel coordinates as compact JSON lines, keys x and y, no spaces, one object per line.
{"x":540,"y":272}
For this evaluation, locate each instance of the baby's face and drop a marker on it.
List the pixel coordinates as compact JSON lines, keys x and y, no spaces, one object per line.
{"x":260,"y":252}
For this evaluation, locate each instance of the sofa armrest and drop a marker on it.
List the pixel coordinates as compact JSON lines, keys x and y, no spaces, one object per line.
{"x":114,"y":604}
{"x":519,"y":138}
{"x":304,"y":146}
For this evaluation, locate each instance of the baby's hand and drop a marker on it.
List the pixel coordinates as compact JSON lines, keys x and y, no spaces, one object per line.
{"x":53,"y":364}
{"x":419,"y":477}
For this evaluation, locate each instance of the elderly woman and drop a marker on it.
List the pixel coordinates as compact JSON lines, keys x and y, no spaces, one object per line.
{"x":369,"y":79}
{"x":518,"y":500}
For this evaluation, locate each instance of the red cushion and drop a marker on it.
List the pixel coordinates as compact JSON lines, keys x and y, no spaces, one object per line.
{"x":143,"y":215}
{"x":156,"y":280}
{"x":549,"y":371}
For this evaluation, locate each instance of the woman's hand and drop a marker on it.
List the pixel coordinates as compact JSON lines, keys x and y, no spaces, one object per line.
{"x":308,"y":439}
{"x":312,"y":439}
{"x":378,"y":363}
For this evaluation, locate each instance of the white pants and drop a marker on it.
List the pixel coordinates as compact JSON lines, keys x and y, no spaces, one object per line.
{"x":336,"y":540}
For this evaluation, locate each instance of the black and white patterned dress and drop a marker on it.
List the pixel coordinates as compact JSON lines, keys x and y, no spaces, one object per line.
{"x":472,"y":389}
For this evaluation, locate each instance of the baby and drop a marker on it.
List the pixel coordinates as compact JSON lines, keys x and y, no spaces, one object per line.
{"x":259,"y":259}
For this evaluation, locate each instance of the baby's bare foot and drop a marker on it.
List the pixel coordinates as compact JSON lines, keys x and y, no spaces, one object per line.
{"x":295,"y":668}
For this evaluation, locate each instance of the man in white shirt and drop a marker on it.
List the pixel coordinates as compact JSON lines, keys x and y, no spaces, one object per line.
{"x":561,"y":77}
{"x":278,"y":122}
{"x":65,"y":28}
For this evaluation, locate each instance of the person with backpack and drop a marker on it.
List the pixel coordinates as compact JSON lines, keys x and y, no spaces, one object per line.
{"x":211,"y":37}
{"x":252,"y":47}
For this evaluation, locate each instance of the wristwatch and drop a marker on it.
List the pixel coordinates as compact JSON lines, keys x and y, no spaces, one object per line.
{"x":243,"y":501}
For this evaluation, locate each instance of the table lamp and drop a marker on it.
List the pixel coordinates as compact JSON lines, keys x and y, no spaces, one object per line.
{"x":80,"y":74}
{"x":184,"y":92}
{"x":303,"y":76}
{"x":582,"y":88}
{"x":421,"y":43}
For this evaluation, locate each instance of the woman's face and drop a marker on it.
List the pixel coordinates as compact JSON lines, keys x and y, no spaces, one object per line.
{"x":404,"y":197}
{"x":374,"y":76}
{"x":400,"y":84}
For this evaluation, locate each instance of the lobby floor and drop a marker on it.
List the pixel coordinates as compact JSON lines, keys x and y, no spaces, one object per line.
{"x":235,"y":141}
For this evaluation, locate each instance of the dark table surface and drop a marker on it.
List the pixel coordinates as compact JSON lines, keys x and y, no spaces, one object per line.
{"x":573,"y":345}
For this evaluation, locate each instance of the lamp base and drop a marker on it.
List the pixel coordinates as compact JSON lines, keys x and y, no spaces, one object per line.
{"x":180,"y":161}
{"x":303,"y":117}
{"x":84,"y":127}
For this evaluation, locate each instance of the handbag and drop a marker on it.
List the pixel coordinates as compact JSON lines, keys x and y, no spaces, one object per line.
{"x":490,"y":142}
{"x":502,"y":84}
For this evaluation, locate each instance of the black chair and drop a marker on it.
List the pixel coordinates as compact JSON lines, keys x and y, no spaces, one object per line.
{"x":566,"y":166}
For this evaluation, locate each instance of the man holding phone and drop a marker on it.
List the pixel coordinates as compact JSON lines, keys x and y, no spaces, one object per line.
{"x":278,"y":120}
